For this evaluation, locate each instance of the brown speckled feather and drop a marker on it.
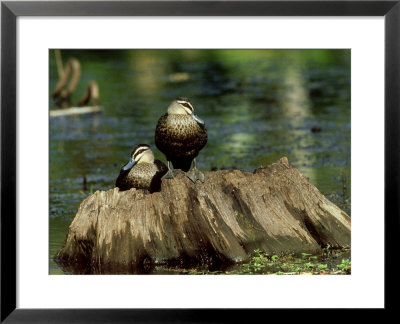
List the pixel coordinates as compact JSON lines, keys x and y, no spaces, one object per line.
{"x":180,"y":138}
{"x":142,"y":176}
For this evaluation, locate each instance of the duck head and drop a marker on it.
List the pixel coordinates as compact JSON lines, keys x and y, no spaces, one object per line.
{"x":182,"y":106}
{"x":141,"y":153}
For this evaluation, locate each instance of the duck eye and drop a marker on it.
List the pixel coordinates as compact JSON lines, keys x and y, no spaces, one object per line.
{"x":138,"y":152}
{"x":187,"y":105}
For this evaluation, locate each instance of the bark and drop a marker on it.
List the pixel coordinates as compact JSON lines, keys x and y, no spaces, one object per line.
{"x":206,"y":225}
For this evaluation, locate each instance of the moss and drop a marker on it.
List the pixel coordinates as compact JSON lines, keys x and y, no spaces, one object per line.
{"x":327,"y":263}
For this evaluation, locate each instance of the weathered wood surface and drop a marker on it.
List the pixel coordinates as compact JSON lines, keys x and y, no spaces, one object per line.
{"x":210,"y":224}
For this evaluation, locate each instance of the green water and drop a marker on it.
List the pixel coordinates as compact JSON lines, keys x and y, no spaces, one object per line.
{"x":258,"y":105}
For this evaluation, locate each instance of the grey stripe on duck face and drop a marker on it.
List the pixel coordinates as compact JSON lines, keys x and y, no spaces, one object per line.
{"x":186,"y":104}
{"x":138,"y":152}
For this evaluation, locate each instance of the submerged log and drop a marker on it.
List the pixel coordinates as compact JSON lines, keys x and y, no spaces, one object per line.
{"x":75,"y":111}
{"x":205,"y":225}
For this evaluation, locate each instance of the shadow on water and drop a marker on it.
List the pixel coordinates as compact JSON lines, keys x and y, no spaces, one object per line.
{"x":259,"y":105}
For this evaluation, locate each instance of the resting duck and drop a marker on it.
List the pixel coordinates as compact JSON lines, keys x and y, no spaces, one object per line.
{"x":180,"y":134}
{"x":142,"y":171}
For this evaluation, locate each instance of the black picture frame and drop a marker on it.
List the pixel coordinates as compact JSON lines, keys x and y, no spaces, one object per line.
{"x":10,"y":10}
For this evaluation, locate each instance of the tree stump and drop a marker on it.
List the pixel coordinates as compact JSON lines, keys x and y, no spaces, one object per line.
{"x":204,"y":225}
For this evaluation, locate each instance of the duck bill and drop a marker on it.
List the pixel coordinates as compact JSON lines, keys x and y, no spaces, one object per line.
{"x":129,"y":165}
{"x":197,"y":119}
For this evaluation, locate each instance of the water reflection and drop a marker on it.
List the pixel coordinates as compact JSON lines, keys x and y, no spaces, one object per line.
{"x":258,"y":105}
{"x":295,"y":104}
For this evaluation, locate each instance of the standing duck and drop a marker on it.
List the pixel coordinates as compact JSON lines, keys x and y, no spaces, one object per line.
{"x":180,"y":135}
{"x":142,"y":171}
